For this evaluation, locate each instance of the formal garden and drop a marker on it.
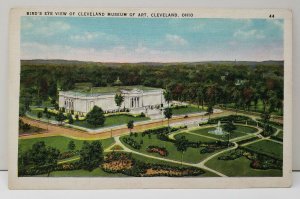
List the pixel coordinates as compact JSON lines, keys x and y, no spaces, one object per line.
{"x":63,"y":157}
{"x":182,"y":148}
{"x":74,"y":157}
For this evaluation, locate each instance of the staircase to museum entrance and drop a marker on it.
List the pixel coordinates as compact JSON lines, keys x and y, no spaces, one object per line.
{"x":154,"y":114}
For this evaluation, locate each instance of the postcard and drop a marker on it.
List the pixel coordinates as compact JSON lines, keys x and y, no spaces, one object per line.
{"x":103,"y":98}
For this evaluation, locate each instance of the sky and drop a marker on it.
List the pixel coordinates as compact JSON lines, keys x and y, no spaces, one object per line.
{"x":151,"y":40}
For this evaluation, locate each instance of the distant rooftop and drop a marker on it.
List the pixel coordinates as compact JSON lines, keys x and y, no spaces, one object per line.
{"x":81,"y":90}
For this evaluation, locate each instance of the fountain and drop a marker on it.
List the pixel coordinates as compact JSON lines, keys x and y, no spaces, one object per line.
{"x":218,"y":130}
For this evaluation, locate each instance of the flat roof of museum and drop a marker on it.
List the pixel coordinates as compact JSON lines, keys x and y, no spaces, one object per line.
{"x":95,"y":91}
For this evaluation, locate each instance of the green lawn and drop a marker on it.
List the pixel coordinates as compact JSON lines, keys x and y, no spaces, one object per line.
{"x":245,"y":129}
{"x":194,"y":138}
{"x":33,"y":113}
{"x":239,"y":168}
{"x":280,"y":135}
{"x":59,"y":142}
{"x":112,"y":120}
{"x":185,"y":110}
{"x":267,"y":147}
{"x":192,"y":155}
{"x":98,"y":172}
{"x":240,"y":131}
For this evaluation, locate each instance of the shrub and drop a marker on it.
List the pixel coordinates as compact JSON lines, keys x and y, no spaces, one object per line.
{"x":131,"y":142}
{"x":142,"y":114}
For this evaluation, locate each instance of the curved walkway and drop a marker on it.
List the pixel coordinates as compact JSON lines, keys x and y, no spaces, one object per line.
{"x":198,"y":165}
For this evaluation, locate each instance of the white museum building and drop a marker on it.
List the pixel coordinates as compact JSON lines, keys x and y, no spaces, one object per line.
{"x":136,"y":99}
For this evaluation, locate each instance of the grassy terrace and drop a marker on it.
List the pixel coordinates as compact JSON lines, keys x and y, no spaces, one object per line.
{"x":267,"y":147}
{"x":239,"y":167}
{"x":185,"y":110}
{"x":59,"y":142}
{"x":112,"y":120}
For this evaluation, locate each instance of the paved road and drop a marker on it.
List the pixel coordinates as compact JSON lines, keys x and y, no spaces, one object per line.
{"x":56,"y":130}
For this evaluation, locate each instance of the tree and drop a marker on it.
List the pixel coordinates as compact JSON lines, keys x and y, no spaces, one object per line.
{"x":43,"y":157}
{"x":48,"y":116}
{"x":229,"y":127}
{"x":71,"y":145}
{"x":168,"y":96}
{"x":265,"y":119}
{"x":70,"y":118}
{"x":168,"y":114}
{"x":210,"y":110}
{"x":39,"y":115}
{"x":91,"y":155}
{"x":95,"y":116}
{"x":60,"y":117}
{"x":56,"y":106}
{"x":200,"y":96}
{"x":130,"y":125}
{"x":181,"y":145}
{"x":52,"y":91}
{"x":24,"y":126}
{"x":236,"y":96}
{"x":211,"y":94}
{"x":119,"y":100}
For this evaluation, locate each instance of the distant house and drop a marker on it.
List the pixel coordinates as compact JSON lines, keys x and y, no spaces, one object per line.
{"x":136,"y":99}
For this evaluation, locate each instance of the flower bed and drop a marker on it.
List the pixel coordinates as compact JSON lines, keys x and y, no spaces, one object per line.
{"x":67,"y":154}
{"x":258,"y":161}
{"x":160,"y":150}
{"x":125,"y":164}
{"x":117,"y":162}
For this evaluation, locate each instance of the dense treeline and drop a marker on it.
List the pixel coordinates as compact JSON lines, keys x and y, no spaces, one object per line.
{"x":204,"y":83}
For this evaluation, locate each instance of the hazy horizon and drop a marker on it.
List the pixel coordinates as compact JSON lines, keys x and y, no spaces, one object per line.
{"x":153,"y":61}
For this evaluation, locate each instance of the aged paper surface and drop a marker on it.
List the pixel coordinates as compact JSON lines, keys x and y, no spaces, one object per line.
{"x":150,"y":98}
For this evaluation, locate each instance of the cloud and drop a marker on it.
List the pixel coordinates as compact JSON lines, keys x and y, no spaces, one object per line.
{"x":176,"y":40}
{"x":48,"y":29}
{"x":90,"y":36}
{"x":53,"y":28}
{"x":247,"y":34}
{"x":276,"y":23}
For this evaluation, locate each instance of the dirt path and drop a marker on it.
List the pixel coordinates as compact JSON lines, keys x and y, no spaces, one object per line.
{"x":56,"y":130}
